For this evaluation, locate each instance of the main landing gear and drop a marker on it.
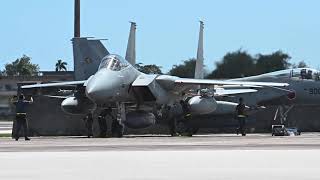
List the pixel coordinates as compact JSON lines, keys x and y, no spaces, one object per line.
{"x":117,"y":127}
{"x":184,"y":129}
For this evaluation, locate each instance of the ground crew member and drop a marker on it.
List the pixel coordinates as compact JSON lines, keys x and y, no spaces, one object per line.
{"x":88,"y":119}
{"x":170,"y":116}
{"x":102,"y":121}
{"x":241,"y":116}
{"x":186,"y":110}
{"x":186,"y":117}
{"x":102,"y":124}
{"x":21,"y":115}
{"x":116,"y":126}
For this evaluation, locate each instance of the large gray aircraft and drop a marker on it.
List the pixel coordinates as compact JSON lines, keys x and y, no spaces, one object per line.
{"x":118,"y":84}
{"x":303,"y":90}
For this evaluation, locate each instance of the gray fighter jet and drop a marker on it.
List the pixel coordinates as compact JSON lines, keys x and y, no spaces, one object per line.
{"x":118,"y":84}
{"x":303,"y":90}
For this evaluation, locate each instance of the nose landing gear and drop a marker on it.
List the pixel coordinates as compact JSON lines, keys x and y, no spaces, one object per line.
{"x":117,"y":127}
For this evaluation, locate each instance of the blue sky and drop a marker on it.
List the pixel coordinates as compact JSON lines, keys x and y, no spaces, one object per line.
{"x":167,"y":30}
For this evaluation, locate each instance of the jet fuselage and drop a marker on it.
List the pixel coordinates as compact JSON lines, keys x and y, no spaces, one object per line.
{"x":301,"y":91}
{"x":111,"y":85}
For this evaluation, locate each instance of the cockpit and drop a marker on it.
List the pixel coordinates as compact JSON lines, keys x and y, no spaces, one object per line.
{"x":309,"y":74}
{"x":300,"y":73}
{"x":113,"y":62}
{"x":306,"y":73}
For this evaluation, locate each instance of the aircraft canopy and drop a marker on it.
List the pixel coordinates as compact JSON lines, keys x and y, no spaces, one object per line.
{"x":301,"y":73}
{"x":113,"y":62}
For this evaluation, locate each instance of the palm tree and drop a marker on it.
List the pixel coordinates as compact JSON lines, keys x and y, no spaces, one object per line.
{"x":61,"y":65}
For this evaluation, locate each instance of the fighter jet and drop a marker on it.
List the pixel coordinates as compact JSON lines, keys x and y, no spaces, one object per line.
{"x":303,"y":90}
{"x":118,"y":84}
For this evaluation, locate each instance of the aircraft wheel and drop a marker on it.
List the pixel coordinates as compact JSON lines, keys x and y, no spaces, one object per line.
{"x":184,"y":130}
{"x":181,"y":127}
{"x":189,"y":133}
{"x":195,"y":130}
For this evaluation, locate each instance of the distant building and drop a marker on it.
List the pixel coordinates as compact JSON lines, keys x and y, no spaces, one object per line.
{"x":9,"y":87}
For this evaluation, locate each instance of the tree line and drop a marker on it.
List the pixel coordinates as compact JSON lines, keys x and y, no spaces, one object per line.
{"x":24,"y":67}
{"x":241,"y":64}
{"x":233,"y":65}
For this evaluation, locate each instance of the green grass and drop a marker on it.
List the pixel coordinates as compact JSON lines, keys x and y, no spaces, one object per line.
{"x":5,"y":135}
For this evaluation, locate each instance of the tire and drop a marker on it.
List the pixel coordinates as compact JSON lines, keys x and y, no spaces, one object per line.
{"x":195,"y":130}
{"x":184,"y":130}
{"x":181,"y":127}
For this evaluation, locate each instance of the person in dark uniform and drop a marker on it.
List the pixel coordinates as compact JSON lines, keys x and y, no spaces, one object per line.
{"x":102,"y":124}
{"x":186,"y":117}
{"x":241,"y":116}
{"x":21,"y":115}
{"x":116,"y":126}
{"x":88,"y":119}
{"x":102,"y":121}
{"x":171,"y":119}
{"x":186,"y":110}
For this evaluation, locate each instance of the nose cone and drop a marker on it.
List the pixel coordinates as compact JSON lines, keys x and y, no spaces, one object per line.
{"x":94,"y":90}
{"x":103,"y":86}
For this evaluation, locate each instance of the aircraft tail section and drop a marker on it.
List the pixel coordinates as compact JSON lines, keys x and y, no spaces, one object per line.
{"x":199,"y":71}
{"x":131,"y":47}
{"x":87,"y":54}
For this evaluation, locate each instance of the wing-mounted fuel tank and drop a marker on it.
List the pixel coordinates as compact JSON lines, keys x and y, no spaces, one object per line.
{"x":74,"y":105}
{"x":202,"y":105}
{"x":139,"y":119}
{"x":146,"y":89}
{"x":225,"y":107}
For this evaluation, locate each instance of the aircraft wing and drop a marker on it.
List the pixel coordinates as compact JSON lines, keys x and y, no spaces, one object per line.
{"x":57,"y":97}
{"x":68,"y":83}
{"x":239,"y":86}
{"x":226,"y":92}
{"x":187,"y":81}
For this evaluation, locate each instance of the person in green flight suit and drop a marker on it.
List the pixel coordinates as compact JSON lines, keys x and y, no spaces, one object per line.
{"x":241,"y":116}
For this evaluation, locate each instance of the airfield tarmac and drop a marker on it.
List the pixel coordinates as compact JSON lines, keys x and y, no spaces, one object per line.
{"x":307,"y":141}
{"x":214,"y":156}
{"x":5,"y":127}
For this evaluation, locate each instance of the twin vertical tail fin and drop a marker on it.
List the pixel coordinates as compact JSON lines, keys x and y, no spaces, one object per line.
{"x":87,"y":55}
{"x":199,"y":72}
{"x":131,"y":47}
